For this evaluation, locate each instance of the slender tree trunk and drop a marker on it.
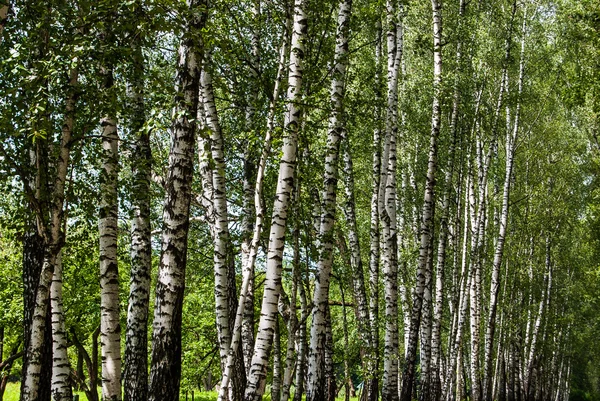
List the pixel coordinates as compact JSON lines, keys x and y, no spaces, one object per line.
{"x":444,"y":226}
{"x":61,"y":368}
{"x":258,"y":371}
{"x":292,"y":319}
{"x":110,"y":329}
{"x":316,"y":381}
{"x":241,"y":319}
{"x":33,"y":257}
{"x":165,"y":371}
{"x":135,"y":374}
{"x":249,"y":204}
{"x":358,"y":280}
{"x":224,"y":270}
{"x":372,"y":391}
{"x":511,"y":139}
{"x":387,"y":206}
{"x":423,"y":270}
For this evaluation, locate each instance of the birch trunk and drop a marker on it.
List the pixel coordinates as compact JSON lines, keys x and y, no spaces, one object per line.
{"x":53,"y":239}
{"x":444,"y":226}
{"x":387,"y":206}
{"x":258,"y":370}
{"x":135,"y":374}
{"x":61,"y":368}
{"x":358,"y":281}
{"x":511,"y":139}
{"x":420,"y":296}
{"x":241,"y":323}
{"x":249,"y":206}
{"x":372,"y":392}
{"x":33,"y":258}
{"x":165,"y":369}
{"x":427,"y":231}
{"x":316,"y":386}
{"x":110,"y":329}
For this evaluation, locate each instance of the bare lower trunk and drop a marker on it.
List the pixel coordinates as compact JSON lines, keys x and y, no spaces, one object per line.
{"x":61,"y":368}
{"x":165,"y":371}
{"x":135,"y":374}
{"x":110,"y":329}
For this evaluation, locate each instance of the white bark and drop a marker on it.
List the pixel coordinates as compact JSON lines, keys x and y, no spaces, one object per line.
{"x":135,"y":374}
{"x":248,"y":266}
{"x":110,"y":329}
{"x":316,"y":386}
{"x":61,"y":369}
{"x":387,"y":205}
{"x":258,"y":370}
{"x":165,"y":370}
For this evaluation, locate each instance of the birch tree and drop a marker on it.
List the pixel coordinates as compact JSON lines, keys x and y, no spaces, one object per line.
{"x":316,"y":377}
{"x":165,"y":368}
{"x":258,"y":370}
{"x":110,"y":331}
{"x":135,"y":374}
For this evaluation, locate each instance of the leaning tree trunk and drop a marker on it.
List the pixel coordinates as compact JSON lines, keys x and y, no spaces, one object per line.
{"x":61,"y":368}
{"x":511,"y":139}
{"x":245,"y":304}
{"x":316,"y":386}
{"x":53,"y":237}
{"x":165,"y":371}
{"x":283,"y":193}
{"x":110,"y":329}
{"x":135,"y":374}
{"x":225,"y":300}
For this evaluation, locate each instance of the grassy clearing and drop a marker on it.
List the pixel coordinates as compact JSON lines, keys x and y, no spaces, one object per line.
{"x":12,"y":394}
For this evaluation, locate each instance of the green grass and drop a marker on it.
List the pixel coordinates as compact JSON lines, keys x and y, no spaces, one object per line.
{"x":12,"y":394}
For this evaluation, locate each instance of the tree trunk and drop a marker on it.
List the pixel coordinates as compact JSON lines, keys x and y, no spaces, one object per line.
{"x":135,"y":374}
{"x":245,"y":305}
{"x":165,"y":372}
{"x":316,"y":386}
{"x":387,"y":207}
{"x":511,"y":139}
{"x":372,"y":392}
{"x":110,"y":329}
{"x":258,"y":371}
{"x":358,"y":281}
{"x":61,"y":368}
{"x":421,"y":298}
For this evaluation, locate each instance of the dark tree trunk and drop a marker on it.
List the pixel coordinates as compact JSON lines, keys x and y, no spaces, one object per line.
{"x":33,"y":256}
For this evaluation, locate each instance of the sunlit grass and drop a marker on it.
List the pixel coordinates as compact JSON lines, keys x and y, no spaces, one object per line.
{"x":12,"y":394}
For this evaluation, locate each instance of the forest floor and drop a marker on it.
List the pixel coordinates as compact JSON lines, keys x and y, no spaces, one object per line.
{"x":12,"y":394}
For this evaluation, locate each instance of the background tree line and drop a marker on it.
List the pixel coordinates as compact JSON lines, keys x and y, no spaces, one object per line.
{"x":392,"y":198}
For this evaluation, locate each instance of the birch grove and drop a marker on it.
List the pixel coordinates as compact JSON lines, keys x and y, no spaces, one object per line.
{"x":299,"y":200}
